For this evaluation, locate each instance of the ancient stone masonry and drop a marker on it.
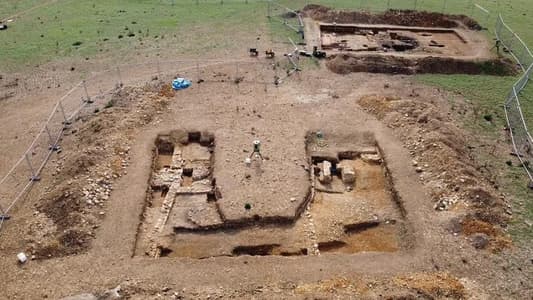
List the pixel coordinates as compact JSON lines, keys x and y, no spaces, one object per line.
{"x":182,"y":186}
{"x":353,"y":209}
{"x":350,"y":206}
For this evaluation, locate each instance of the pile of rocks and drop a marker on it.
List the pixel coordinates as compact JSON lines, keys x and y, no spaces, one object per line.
{"x":96,"y":192}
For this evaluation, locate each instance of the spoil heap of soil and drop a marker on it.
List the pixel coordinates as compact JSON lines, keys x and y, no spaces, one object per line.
{"x":392,"y":17}
{"x":347,"y":63}
{"x":98,"y":152}
{"x":444,"y":157}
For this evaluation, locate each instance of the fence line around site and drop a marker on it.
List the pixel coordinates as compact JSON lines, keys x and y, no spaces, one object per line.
{"x":100,"y":87}
{"x":516,"y":123}
{"x":17,"y":182}
{"x":521,"y":139}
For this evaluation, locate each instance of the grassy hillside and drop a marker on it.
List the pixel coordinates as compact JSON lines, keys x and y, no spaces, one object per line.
{"x":86,"y":28}
{"x":65,"y":28}
{"x":9,"y":8}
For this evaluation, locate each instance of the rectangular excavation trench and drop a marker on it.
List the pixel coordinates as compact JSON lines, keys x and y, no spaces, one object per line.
{"x":355,"y":208}
{"x":393,"y":39}
{"x":182,"y":190}
{"x":407,"y":50}
{"x":351,"y":207}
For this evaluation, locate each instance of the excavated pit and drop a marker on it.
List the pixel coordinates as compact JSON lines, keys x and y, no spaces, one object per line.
{"x":391,"y":39}
{"x":374,"y":63}
{"x":350,"y":208}
{"x":182,"y":190}
{"x":353,"y":188}
{"x":421,"y":42}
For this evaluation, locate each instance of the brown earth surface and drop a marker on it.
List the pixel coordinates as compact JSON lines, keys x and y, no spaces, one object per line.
{"x":392,"y":17}
{"x":118,"y":141}
{"x":80,"y":224}
{"x":401,"y":42}
{"x":346,"y":63}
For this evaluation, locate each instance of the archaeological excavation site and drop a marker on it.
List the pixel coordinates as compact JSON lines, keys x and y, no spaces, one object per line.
{"x":346,"y":203}
{"x":256,"y":151}
{"x":401,"y":42}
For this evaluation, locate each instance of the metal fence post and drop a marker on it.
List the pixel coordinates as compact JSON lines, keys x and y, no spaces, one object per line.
{"x":65,"y":119}
{"x":119,"y":83}
{"x":87,"y":98}
{"x":158,"y":69}
{"x":199,"y":79}
{"x":444,"y":6}
{"x":34,"y":176}
{"x":236,"y":71}
{"x":53,"y":144}
{"x":2,"y":214}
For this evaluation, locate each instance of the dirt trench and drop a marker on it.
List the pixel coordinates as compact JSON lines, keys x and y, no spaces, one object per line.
{"x":392,"y":17}
{"x":347,"y":63}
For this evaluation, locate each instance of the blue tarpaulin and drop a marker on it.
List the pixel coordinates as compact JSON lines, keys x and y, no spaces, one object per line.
{"x":180,"y":83}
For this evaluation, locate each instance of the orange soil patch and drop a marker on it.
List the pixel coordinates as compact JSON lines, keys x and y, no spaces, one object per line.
{"x":377,"y":104}
{"x":433,"y":284}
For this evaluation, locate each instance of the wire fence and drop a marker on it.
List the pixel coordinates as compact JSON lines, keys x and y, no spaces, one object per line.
{"x":286,"y":16}
{"x":26,"y":170}
{"x":516,"y":123}
{"x":521,"y":138}
{"x":96,"y":92}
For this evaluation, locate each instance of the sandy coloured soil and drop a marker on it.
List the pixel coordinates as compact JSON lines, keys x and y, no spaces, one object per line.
{"x":313,"y":100}
{"x":447,"y":239}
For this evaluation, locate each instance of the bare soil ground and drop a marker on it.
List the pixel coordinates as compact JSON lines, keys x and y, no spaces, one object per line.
{"x":425,"y":217}
{"x":392,"y":17}
{"x":86,"y":247}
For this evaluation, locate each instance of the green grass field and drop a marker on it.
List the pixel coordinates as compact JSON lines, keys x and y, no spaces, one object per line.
{"x":111,"y":28}
{"x":69,"y":28}
{"x":12,"y":7}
